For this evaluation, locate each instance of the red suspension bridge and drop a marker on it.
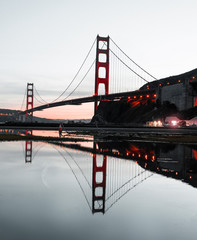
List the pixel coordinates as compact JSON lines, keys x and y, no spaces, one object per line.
{"x":120,"y":76}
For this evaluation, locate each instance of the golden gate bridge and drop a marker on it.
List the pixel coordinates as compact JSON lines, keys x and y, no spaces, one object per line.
{"x":109,"y":72}
{"x":119,"y":75}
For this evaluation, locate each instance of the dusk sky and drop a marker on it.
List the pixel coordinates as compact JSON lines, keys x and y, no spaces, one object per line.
{"x":46,"y":41}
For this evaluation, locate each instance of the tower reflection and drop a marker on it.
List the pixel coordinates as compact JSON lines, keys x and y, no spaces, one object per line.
{"x":98,"y":182}
{"x":28,"y":148}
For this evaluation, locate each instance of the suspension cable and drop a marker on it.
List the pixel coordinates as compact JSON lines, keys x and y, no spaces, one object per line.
{"x":78,"y":167}
{"x":71,"y":80}
{"x":130,"y":180}
{"x":39,"y":96}
{"x":128,"y":66}
{"x":81,"y":80}
{"x":38,"y":99}
{"x":132,"y":187}
{"x":66,"y":89}
{"x":83,"y":76}
{"x":133,"y":60}
{"x":77,"y":72}
{"x":23,"y":100}
{"x":74,"y":176}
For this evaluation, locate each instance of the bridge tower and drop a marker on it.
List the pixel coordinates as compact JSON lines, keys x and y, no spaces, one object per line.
{"x":98,"y":184}
{"x":102,"y":66}
{"x":28,"y":148}
{"x":28,"y":151}
{"x":30,"y":101}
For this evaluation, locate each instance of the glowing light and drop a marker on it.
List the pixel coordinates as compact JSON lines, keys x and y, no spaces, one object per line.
{"x":155,"y":95}
{"x":134,"y":97}
{"x":160,"y":84}
{"x":193,"y":77}
{"x":155,"y":124}
{"x":195,"y":154}
{"x":140,"y":96}
{"x":174,"y":122}
{"x":146,"y":156}
{"x":168,"y":83}
{"x":195,"y":101}
{"x":147,"y":95}
{"x":134,"y":148}
{"x":179,"y":81}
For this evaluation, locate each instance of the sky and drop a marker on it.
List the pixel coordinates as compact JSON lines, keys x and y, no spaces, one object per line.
{"x":45,"y":41}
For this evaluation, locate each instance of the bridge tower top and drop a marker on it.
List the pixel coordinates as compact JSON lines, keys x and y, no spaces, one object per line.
{"x":102,"y":65}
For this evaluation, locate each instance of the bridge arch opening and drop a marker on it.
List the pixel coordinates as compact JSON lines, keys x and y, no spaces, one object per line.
{"x":99,"y":191}
{"x":101,"y":90}
{"x":99,"y":162}
{"x":102,"y":58}
{"x":102,"y":72}
{"x":30,"y":99}
{"x":99,"y":177}
{"x":102,"y":45}
{"x":98,"y":205}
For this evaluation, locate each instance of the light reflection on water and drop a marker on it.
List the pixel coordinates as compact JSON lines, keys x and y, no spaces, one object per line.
{"x":146,"y":191}
{"x":45,"y":133}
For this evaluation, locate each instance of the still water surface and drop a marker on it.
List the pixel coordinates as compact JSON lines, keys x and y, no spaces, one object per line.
{"x":106,"y":190}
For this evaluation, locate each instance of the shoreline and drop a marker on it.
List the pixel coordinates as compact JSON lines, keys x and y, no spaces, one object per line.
{"x":181,"y":139}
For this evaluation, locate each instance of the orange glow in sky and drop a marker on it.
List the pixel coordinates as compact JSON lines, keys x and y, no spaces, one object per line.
{"x":84,"y":111}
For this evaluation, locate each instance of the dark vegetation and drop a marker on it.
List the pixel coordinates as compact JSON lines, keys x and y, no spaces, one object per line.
{"x":123,"y":112}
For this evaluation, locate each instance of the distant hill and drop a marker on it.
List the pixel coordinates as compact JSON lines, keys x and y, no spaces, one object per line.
{"x":8,"y":115}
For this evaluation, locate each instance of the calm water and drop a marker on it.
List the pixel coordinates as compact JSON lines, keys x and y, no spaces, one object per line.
{"x":57,"y":191}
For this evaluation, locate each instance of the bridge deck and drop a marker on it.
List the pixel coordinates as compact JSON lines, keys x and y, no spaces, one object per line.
{"x":79,"y":101}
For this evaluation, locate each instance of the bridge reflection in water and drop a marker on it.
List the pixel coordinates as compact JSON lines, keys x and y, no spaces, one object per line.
{"x":119,"y":166}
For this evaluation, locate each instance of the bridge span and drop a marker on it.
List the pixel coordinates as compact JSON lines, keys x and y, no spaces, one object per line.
{"x":175,"y":95}
{"x":124,"y":72}
{"x":78,"y":101}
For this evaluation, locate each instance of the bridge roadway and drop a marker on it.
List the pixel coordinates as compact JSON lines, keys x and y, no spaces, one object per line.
{"x":78,"y":101}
